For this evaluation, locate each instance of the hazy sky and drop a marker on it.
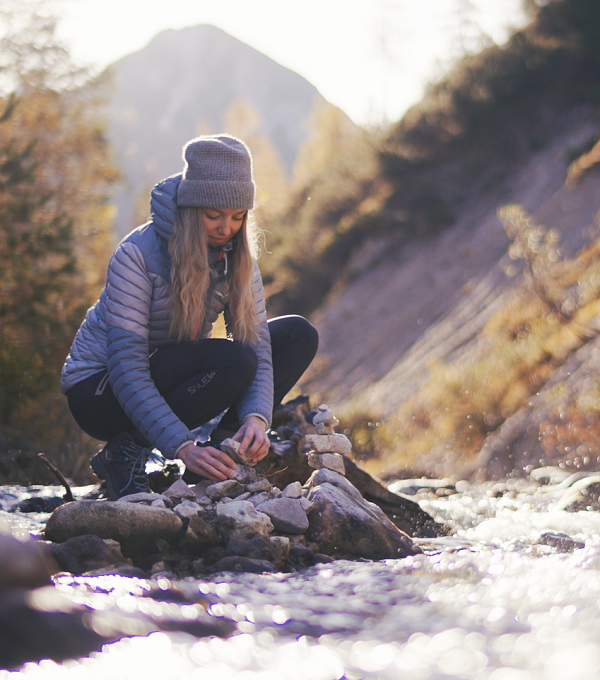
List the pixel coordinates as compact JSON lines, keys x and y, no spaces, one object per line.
{"x":372,"y":58}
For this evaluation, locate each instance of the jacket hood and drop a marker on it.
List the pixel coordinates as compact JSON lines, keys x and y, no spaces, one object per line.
{"x":163,"y":205}
{"x":163,"y":210}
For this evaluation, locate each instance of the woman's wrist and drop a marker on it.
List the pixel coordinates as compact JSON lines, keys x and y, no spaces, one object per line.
{"x":254,"y":418}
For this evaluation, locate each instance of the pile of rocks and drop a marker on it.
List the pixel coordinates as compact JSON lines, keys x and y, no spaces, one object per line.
{"x":241,"y":524}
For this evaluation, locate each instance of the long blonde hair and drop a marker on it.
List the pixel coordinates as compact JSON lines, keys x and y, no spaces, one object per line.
{"x":190,"y":276}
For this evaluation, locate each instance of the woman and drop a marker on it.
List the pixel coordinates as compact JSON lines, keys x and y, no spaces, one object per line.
{"x":143,"y":371}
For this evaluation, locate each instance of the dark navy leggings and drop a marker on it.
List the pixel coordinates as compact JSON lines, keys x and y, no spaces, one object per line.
{"x":199,"y":380}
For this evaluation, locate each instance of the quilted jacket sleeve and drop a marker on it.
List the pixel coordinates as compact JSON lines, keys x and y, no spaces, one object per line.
{"x":258,"y":399}
{"x":129,"y":292}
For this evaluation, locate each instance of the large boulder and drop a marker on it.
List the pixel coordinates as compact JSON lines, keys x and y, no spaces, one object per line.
{"x":287,"y":515}
{"x":287,"y":462}
{"x":135,"y":526}
{"x":346,"y":526}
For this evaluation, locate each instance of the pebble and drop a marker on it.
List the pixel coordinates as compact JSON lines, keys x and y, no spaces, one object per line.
{"x":258,"y":486}
{"x":325,"y":416}
{"x":562,"y":542}
{"x":159,"y":503}
{"x":187,"y":509}
{"x":307,"y":505}
{"x":293,"y":490}
{"x":259,"y":498}
{"x":232,"y":449}
{"x":229,"y":487}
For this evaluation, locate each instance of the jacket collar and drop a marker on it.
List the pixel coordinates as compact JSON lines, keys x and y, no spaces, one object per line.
{"x":163,"y":206}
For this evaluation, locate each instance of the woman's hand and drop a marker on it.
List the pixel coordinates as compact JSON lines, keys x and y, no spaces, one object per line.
{"x":207,"y":461}
{"x":253,"y":439}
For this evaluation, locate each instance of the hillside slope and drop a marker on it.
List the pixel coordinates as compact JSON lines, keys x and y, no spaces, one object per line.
{"x":424,"y":300}
{"x":437,"y":329}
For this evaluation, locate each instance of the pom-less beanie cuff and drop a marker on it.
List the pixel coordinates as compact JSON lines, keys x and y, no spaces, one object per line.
{"x":217,"y":174}
{"x":216,"y":194}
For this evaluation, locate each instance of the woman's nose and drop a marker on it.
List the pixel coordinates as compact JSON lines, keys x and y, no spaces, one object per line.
{"x":225,"y":225}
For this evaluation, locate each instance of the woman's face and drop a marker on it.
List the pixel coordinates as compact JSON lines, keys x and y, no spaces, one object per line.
{"x":222,"y":224}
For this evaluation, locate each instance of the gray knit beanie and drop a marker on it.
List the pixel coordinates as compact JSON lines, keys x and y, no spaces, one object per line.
{"x":217,"y":174}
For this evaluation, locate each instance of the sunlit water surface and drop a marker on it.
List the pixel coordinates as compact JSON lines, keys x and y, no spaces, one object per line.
{"x":489,"y":602}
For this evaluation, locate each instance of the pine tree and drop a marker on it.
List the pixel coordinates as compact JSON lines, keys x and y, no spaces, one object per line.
{"x":38,"y":270}
{"x":55,"y":229}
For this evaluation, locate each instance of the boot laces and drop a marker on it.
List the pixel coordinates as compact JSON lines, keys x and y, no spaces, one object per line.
{"x":135,"y":457}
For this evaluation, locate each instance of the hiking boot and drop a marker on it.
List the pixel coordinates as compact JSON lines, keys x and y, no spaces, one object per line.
{"x":122,"y":465}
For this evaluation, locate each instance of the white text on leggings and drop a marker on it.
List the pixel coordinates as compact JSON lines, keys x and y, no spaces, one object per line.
{"x":192,"y":389}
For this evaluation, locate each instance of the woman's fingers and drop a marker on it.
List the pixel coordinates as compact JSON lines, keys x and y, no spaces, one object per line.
{"x":211,"y":463}
{"x":254,"y":442}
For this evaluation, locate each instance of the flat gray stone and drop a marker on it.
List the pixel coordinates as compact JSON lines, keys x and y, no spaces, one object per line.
{"x":147,"y":498}
{"x":232,"y":449}
{"x":247,"y":520}
{"x":187,"y":509}
{"x":324,"y":421}
{"x":325,"y":415}
{"x":179,"y":490}
{"x":259,"y":498}
{"x":331,"y":461}
{"x":259,"y":485}
{"x":158,"y":503}
{"x":229,"y":487}
{"x":329,"y":443}
{"x":286,"y":514}
{"x":135,"y":526}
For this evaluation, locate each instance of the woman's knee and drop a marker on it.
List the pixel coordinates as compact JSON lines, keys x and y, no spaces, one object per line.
{"x":244,"y":361}
{"x":294,"y":330}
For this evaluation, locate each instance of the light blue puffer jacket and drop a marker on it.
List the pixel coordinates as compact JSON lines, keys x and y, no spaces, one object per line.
{"x":133,"y":317}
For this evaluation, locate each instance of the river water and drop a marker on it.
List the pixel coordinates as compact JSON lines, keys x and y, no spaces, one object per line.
{"x":489,"y":602}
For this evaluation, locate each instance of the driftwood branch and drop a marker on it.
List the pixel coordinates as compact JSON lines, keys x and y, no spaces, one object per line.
{"x":59,"y":475}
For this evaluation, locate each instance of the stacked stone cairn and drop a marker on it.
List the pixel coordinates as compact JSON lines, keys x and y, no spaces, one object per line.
{"x":326,"y":445}
{"x":240,"y":524}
